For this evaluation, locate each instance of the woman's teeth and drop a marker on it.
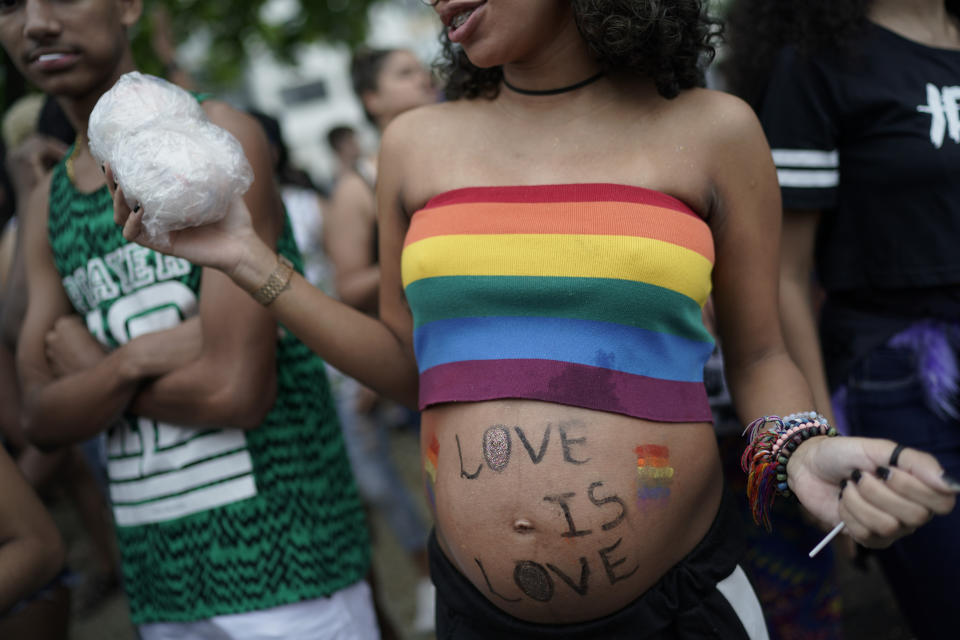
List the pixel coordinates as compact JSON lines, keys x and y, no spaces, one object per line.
{"x":460,"y":19}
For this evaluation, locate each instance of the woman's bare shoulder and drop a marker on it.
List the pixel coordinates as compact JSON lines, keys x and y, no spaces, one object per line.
{"x":431,"y":125}
{"x":419,"y":148}
{"x":722,"y":127}
{"x":715,"y":113}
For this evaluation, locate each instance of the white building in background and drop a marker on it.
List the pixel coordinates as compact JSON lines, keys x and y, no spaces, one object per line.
{"x":316,"y":94}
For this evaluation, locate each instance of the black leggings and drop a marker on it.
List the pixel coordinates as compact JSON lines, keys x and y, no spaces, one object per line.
{"x":683,"y":605}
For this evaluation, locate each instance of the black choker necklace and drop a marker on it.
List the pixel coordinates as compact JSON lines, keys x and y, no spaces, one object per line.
{"x":552,"y":92}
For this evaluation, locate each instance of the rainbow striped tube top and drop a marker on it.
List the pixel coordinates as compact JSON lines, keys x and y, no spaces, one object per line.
{"x":587,"y":295}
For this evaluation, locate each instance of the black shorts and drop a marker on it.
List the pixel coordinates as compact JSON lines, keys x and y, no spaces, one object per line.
{"x":705,"y":595}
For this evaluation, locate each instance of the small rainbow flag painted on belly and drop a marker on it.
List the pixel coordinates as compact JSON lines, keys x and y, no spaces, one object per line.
{"x":430,"y":466}
{"x":654,"y":474}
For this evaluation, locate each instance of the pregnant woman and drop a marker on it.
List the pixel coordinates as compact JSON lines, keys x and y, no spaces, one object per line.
{"x":548,"y":237}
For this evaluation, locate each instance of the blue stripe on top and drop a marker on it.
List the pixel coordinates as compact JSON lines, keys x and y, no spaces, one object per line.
{"x":599,"y":344}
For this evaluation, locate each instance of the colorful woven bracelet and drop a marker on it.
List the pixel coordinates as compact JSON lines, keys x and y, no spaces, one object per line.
{"x":804,"y":416}
{"x":772,"y":441}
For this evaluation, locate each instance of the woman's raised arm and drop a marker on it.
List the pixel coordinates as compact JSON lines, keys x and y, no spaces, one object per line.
{"x":377,"y":352}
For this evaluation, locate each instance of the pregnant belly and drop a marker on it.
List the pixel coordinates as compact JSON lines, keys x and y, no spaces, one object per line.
{"x":559,"y":514}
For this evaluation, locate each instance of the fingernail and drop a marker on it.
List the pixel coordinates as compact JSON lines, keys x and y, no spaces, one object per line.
{"x":883,"y":473}
{"x":951,"y":483}
{"x":856,"y":475}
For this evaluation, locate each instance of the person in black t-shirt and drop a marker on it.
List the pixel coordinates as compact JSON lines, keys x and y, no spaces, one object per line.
{"x":860,"y":103}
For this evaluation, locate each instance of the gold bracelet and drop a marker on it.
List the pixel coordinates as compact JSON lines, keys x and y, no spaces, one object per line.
{"x":277,"y":283}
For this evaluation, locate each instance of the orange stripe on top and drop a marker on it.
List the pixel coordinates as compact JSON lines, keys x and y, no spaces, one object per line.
{"x":565,"y":218}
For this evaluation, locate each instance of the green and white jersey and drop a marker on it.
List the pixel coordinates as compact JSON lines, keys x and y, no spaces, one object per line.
{"x":210,"y":521}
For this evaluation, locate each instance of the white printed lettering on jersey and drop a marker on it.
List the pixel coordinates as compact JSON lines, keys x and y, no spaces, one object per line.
{"x":169,"y":267}
{"x":203,"y":499}
{"x":199,"y":471}
{"x":149,"y":310}
{"x":100,"y":282}
{"x":943,"y":105}
{"x":161,"y":460}
{"x":156,"y":321}
{"x":95,"y":283}
{"x":82,"y":283}
{"x":198,"y":475}
{"x":129,"y":263}
{"x":133,"y":443}
{"x":96,"y":328}
{"x":122,"y":441}
{"x":168,"y":439}
{"x":161,"y":471}
{"x":75,"y":294}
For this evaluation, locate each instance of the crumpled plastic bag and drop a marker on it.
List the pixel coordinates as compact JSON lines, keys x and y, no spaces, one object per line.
{"x":166,"y":155}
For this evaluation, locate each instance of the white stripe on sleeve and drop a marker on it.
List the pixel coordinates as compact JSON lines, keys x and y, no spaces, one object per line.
{"x":806,"y":158}
{"x":808,"y":178}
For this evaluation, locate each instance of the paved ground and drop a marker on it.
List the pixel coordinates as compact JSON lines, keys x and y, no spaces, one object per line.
{"x":869,"y":610}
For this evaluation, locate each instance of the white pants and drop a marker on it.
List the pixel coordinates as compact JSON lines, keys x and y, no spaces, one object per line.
{"x":346,"y":615}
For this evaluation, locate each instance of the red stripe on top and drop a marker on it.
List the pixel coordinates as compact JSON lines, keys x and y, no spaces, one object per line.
{"x":587,"y":192}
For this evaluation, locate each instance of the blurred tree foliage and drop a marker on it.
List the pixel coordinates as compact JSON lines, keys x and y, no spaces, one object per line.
{"x":230,"y":28}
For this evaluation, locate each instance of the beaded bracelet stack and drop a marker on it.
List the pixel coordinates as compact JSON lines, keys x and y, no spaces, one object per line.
{"x":772,"y":441}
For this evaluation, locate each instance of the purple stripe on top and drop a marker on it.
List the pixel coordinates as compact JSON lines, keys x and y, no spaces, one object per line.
{"x":565,"y":383}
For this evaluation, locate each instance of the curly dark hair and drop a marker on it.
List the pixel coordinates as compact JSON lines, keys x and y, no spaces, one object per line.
{"x":668,"y":41}
{"x":756,"y":30}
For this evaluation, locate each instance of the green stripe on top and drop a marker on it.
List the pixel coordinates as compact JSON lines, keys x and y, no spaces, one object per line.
{"x":635,"y":304}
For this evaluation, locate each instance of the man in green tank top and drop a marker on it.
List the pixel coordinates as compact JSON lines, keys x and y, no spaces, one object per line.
{"x":235,"y":508}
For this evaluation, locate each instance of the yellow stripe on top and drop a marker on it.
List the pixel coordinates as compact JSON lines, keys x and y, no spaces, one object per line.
{"x":580,"y":256}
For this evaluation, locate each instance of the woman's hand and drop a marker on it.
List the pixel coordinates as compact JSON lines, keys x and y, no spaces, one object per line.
{"x":70,"y":348}
{"x":223,"y":245}
{"x":850,"y":480}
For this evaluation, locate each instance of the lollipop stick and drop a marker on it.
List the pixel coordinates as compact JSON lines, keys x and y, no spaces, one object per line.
{"x":826,"y":540}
